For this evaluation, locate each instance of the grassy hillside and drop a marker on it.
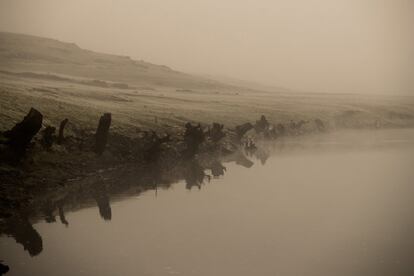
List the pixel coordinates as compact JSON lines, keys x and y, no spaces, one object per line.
{"x":64,"y":81}
{"x":20,"y":52}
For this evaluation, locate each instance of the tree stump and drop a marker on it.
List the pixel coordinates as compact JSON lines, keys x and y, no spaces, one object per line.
{"x":48,"y":137}
{"x":216,"y":133}
{"x":193,"y":138}
{"x":262,"y":125}
{"x":101,"y":136}
{"x":153,"y":151}
{"x":22,"y":133}
{"x":61,"y":130}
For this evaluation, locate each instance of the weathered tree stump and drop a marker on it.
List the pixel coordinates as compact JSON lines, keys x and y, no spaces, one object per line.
{"x":216,"y":133}
{"x":193,"y":138}
{"x":101,"y":136}
{"x":22,"y":133}
{"x":48,"y":137}
{"x":61,"y":130}
{"x":262,"y":125}
{"x":153,"y":151}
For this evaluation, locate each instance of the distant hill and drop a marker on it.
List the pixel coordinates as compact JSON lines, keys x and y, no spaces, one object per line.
{"x":25,"y":53}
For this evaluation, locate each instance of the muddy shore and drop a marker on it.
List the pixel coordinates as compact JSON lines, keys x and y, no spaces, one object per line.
{"x":151,"y":159}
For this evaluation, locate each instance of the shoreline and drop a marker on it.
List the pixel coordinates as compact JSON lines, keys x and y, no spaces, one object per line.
{"x":104,"y":183}
{"x":56,"y":168}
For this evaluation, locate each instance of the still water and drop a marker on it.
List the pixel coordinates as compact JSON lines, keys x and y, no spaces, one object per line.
{"x":326,"y":205}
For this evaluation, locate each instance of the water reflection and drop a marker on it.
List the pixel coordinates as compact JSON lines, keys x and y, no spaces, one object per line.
{"x":3,"y":268}
{"x":100,"y":194}
{"x":22,"y":231}
{"x":195,"y":175}
{"x":99,"y":189}
{"x":107,"y":187}
{"x":217,"y":169}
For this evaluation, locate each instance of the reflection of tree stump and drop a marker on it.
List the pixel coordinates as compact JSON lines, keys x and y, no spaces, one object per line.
{"x":217,"y":169}
{"x":23,"y":233}
{"x":4,"y":269}
{"x":101,"y":136}
{"x":61,"y":130}
{"x":21,"y":134}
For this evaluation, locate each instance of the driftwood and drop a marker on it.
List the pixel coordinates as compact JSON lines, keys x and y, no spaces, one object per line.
{"x":101,"y":136}
{"x":61,"y":130}
{"x":22,"y":133}
{"x":242,"y":129}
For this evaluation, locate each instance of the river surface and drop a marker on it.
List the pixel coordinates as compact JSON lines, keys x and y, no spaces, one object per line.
{"x":330,"y":205}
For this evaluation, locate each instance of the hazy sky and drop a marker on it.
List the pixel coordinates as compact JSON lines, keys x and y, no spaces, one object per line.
{"x":311,"y":45}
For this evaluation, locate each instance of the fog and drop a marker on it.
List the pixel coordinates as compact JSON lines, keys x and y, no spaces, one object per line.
{"x":358,"y":46}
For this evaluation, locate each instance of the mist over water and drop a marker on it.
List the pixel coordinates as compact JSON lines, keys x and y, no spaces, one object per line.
{"x":336,"y":204}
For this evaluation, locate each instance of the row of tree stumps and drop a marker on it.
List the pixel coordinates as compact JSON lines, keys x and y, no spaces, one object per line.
{"x":20,"y":136}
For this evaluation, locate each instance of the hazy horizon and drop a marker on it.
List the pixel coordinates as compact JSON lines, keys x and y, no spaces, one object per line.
{"x":318,"y":45}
